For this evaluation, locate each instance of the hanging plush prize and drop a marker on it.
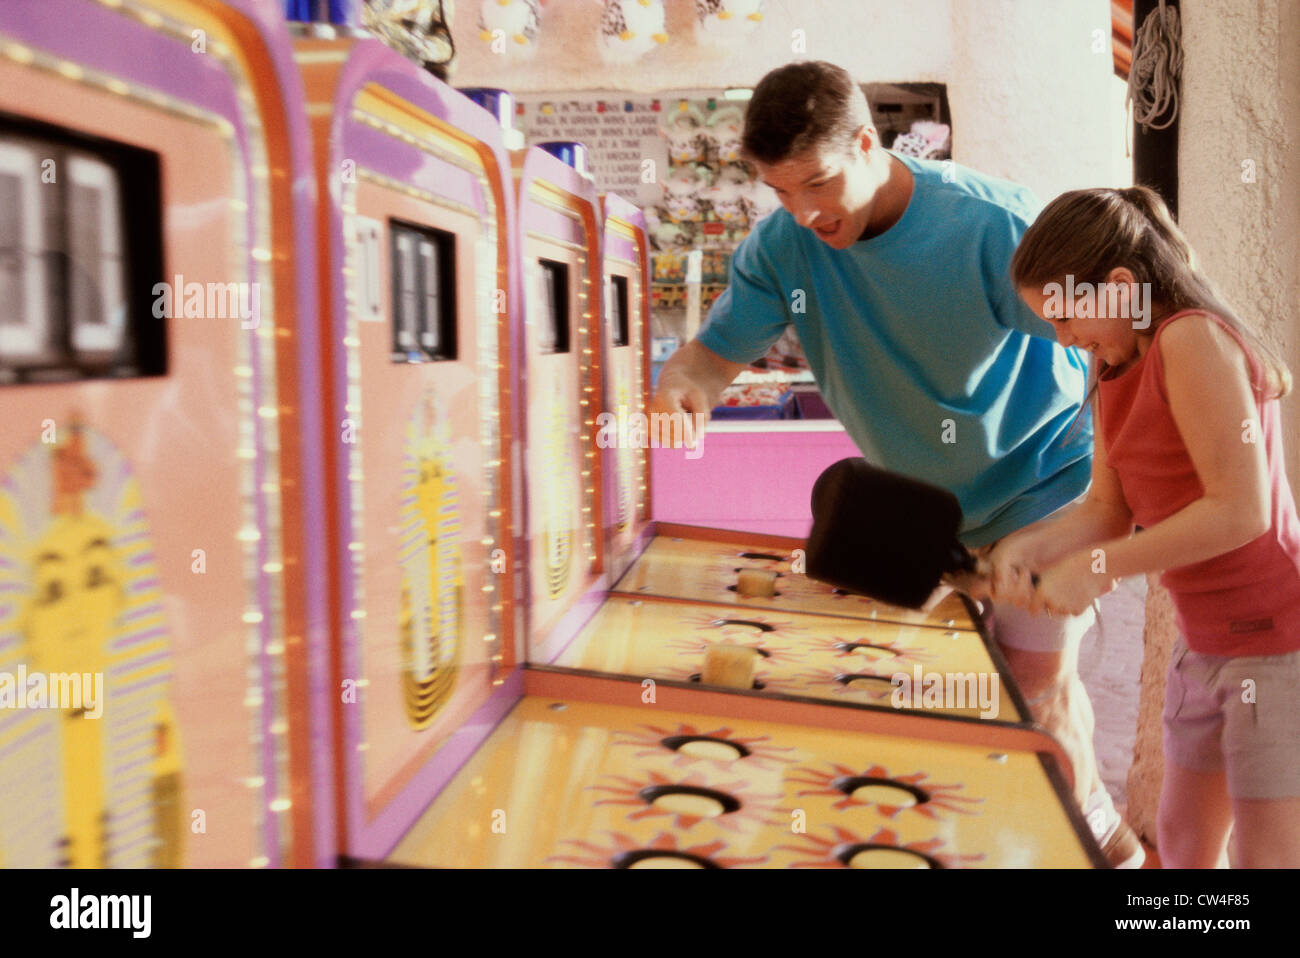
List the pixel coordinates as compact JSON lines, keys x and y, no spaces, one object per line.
{"x":418,"y":29}
{"x":684,"y":192}
{"x":728,"y":19}
{"x":510,"y":27}
{"x":722,"y":132}
{"x":684,"y":129}
{"x":728,"y":196}
{"x":927,"y":140}
{"x":629,"y":29}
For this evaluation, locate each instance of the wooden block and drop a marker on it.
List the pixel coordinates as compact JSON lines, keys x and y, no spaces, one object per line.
{"x":731,"y":666}
{"x":756,"y":583}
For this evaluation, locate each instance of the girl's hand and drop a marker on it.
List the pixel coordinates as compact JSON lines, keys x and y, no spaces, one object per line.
{"x":1070,"y":586}
{"x":1013,"y":562}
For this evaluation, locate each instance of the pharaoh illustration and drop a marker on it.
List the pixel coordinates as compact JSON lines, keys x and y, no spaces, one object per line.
{"x":560,"y":468}
{"x":80,"y":595}
{"x":432,"y":586}
{"x":627,"y":460}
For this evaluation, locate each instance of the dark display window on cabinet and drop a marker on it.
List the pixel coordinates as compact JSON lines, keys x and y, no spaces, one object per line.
{"x":553,"y":332}
{"x":80,"y":254}
{"x":619,"y":310}
{"x":424,"y":293}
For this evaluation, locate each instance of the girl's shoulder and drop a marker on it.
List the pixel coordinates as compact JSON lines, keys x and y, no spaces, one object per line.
{"x":1197,"y":329}
{"x":1201,"y":338}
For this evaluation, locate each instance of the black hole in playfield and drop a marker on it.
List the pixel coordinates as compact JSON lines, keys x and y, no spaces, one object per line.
{"x":765,"y":556}
{"x":747,"y":623}
{"x":729,"y":803}
{"x":854,"y":646}
{"x":628,"y":859}
{"x":846,"y":853}
{"x":848,"y":784}
{"x":675,"y":742}
{"x":861,"y":680}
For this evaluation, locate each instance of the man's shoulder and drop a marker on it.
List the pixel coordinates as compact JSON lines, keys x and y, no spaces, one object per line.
{"x":770,"y":240}
{"x":950,"y":184}
{"x":776,"y":227}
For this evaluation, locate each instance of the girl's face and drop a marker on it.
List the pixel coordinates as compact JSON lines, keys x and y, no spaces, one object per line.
{"x":1096,"y":319}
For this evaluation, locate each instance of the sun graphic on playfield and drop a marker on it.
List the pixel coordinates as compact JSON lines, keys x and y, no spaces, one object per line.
{"x":863,"y":685}
{"x":730,"y":625}
{"x":663,"y":851}
{"x":693,"y":799}
{"x":723,"y":567}
{"x":771,"y":654}
{"x":765,"y":681}
{"x":803,"y":586}
{"x":750,"y":557}
{"x":890,"y":794}
{"x":848,"y":849}
{"x":690,"y":744}
{"x":888,"y":651}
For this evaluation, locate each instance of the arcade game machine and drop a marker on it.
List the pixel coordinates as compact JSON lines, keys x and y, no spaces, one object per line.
{"x":416,"y":219}
{"x":610,"y":771}
{"x":738,"y":587}
{"x":562,"y":388}
{"x":625,"y":260}
{"x":619,"y":756}
{"x":157,"y":380}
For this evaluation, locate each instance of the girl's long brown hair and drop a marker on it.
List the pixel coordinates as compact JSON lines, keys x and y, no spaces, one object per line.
{"x":1087,"y":233}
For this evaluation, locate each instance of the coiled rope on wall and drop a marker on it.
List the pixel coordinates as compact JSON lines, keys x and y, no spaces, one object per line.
{"x":1157,"y":65}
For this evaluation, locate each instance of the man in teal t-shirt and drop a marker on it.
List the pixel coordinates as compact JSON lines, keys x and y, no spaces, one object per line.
{"x":894,"y":273}
{"x":921,"y":347}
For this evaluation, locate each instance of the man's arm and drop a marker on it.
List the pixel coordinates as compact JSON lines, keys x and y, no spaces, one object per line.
{"x":999,"y":240}
{"x":744,"y":322}
{"x":692,"y":380}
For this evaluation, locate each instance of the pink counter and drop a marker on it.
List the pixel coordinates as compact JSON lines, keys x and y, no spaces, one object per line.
{"x":752,"y":476}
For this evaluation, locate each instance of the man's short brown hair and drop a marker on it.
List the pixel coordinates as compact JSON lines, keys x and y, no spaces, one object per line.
{"x":801,"y":106}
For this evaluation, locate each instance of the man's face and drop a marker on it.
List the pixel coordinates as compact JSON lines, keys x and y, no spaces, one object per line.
{"x":828,"y":190}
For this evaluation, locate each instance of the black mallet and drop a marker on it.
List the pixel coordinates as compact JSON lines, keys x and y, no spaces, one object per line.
{"x":886,"y":536}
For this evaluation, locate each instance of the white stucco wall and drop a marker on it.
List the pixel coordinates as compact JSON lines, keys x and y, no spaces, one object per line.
{"x":1241,"y":102}
{"x":1032,"y":101}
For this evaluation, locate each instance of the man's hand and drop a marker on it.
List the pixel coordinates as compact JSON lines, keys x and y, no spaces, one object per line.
{"x":688,"y":407}
{"x":690,"y":385}
{"x":677,"y":394}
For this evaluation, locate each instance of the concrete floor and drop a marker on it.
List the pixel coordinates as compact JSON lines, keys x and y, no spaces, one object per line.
{"x":1110,"y":662}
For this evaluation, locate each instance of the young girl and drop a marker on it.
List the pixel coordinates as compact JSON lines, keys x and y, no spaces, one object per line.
{"x":1188,"y":449}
